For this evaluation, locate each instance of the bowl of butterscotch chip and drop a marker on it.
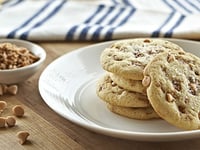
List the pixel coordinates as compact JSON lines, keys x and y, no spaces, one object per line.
{"x":19,"y":60}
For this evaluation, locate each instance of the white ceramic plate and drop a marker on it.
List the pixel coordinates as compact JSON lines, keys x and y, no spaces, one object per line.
{"x":67,"y":85}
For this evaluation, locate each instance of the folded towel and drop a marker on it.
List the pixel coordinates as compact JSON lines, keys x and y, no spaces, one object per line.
{"x":85,"y":20}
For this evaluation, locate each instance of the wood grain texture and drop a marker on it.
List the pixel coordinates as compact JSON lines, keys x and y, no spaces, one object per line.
{"x":49,"y":131}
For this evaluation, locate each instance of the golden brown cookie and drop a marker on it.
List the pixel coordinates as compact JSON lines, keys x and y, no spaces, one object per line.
{"x":173,"y":88}
{"x":111,"y":93}
{"x":128,"y":84}
{"x":128,"y":58}
{"x":134,"y":113}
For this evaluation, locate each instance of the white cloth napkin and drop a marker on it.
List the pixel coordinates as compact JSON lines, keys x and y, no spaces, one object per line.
{"x":83,"y":20}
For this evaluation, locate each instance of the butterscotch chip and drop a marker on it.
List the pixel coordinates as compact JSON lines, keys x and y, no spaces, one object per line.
{"x":128,"y":58}
{"x":18,"y":110}
{"x":111,"y":93}
{"x":174,"y":90}
{"x":22,"y":136}
{"x":169,"y":97}
{"x":12,"y":89}
{"x":10,"y":121}
{"x":144,"y":113}
{"x":146,"y":81}
{"x":3,"y":105}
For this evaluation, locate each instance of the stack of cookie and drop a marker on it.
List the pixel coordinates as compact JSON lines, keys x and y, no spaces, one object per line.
{"x":124,"y":102}
{"x":121,"y":87}
{"x":151,"y":78}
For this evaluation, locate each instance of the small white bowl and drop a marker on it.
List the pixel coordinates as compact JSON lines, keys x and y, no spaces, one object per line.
{"x":13,"y":76}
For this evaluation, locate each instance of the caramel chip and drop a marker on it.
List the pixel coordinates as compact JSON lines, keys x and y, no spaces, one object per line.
{"x":18,"y":110}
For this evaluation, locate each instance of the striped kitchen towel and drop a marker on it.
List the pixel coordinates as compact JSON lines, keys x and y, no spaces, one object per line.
{"x":87,"y":20}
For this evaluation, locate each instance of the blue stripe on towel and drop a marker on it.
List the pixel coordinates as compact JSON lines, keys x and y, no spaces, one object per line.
{"x":12,"y":33}
{"x":122,"y":2}
{"x":170,"y":32}
{"x":71,"y":32}
{"x":169,"y":5}
{"x":156,"y":33}
{"x":115,"y":2}
{"x":126,"y":2}
{"x":182,"y":6}
{"x":116,"y":16}
{"x":51,"y":14}
{"x":99,"y":9}
{"x":109,"y":34}
{"x":127,"y":17}
{"x":96,"y":34}
{"x":16,"y":3}
{"x":11,"y":3}
{"x":193,"y":5}
{"x":84,"y":32}
{"x":105,"y":15}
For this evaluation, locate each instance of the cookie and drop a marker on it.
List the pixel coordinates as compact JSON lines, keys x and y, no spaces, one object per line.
{"x":128,"y":84}
{"x":134,"y":113}
{"x":128,"y":58}
{"x":111,"y":93}
{"x":173,"y":88}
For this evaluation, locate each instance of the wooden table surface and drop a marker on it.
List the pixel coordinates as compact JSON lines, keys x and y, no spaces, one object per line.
{"x":49,"y":131}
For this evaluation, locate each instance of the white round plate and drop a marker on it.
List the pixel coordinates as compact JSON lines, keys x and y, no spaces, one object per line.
{"x":68,"y":86}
